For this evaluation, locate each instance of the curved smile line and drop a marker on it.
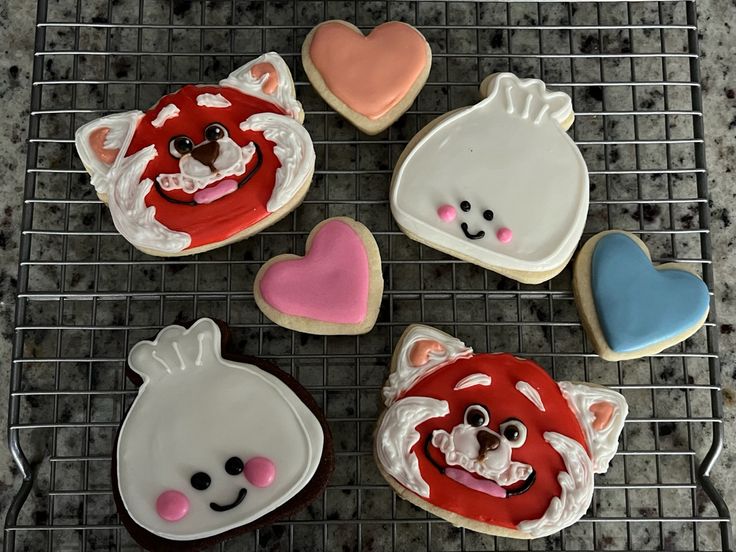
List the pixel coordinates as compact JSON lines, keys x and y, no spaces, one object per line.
{"x":476,"y":236}
{"x":241,"y":496}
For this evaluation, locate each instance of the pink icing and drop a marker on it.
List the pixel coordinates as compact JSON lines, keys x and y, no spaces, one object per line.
{"x":603,"y":412}
{"x":260,"y":471}
{"x":210,"y":194}
{"x":272,"y":82}
{"x":330,"y":283}
{"x":97,"y":145}
{"x":419,"y":354}
{"x":504,"y":235}
{"x":483,"y":485}
{"x":172,"y":505}
{"x":370,"y":74}
{"x":447,"y":213}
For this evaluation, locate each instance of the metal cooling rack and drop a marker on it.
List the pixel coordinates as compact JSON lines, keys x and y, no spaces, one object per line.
{"x":85,"y":295}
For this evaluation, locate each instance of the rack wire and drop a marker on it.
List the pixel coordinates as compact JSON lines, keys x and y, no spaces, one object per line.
{"x":85,"y":295}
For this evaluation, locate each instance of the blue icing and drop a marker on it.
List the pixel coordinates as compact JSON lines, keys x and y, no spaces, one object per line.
{"x":637,"y":305}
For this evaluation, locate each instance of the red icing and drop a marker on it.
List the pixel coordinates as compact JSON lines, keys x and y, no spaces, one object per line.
{"x":419,"y":354}
{"x":97,"y":145}
{"x":272,"y":82}
{"x":216,"y":221}
{"x":502,"y":402}
{"x":603,"y":412}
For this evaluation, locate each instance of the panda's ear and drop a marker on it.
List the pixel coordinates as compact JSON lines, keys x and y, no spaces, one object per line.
{"x":267,"y":77}
{"x":421,"y":351}
{"x":601,"y":413}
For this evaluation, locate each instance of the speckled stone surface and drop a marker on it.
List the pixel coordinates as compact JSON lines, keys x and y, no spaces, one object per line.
{"x":719,"y":88}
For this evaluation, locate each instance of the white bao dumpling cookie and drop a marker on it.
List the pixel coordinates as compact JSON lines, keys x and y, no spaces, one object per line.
{"x":499,"y":184}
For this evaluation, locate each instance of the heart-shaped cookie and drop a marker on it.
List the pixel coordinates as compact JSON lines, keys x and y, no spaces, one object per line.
{"x":629,"y":307}
{"x":370,"y":80}
{"x":334,"y":289}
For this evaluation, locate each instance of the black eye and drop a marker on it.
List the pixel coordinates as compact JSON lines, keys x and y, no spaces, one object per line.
{"x":514,"y":431}
{"x":476,"y":416}
{"x":488,"y":214}
{"x":511,"y":433}
{"x":180,"y":145}
{"x":234,"y":466}
{"x":200,"y":481}
{"x":465,"y":206}
{"x":215,"y":131}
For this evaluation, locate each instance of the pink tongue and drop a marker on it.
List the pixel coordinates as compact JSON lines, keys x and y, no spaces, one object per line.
{"x":208,"y":195}
{"x":482,"y":485}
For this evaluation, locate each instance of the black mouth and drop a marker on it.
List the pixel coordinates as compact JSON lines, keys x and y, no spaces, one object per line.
{"x":241,"y":496}
{"x":470,"y":236}
{"x":246,"y":178}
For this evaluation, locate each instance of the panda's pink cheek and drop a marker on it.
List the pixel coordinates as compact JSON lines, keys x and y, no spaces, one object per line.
{"x":172,"y":505}
{"x":260,"y":471}
{"x":447,"y":213}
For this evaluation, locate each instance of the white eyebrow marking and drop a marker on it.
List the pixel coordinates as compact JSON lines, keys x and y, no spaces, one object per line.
{"x":473,"y":379}
{"x":212,"y":100}
{"x":530,"y":393}
{"x":167,"y":112}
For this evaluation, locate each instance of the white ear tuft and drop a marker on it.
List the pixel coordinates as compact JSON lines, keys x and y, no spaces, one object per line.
{"x":267,"y":77}
{"x":601,"y":413}
{"x":421,"y":351}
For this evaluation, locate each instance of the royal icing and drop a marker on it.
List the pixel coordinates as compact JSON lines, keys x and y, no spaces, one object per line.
{"x":370,"y":74}
{"x":486,"y":451}
{"x":192,"y":457}
{"x":637,"y":304}
{"x":205,"y":164}
{"x":516,"y":182}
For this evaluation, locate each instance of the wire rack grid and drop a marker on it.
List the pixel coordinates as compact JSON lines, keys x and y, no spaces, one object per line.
{"x":85,"y":295}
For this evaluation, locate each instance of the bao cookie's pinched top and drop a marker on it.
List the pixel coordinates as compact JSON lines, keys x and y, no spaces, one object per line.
{"x":491,"y":442}
{"x":207,"y":165}
{"x":499,"y":184}
{"x":193,"y":464}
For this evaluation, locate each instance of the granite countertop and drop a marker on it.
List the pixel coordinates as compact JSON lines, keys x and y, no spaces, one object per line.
{"x":718,"y":49}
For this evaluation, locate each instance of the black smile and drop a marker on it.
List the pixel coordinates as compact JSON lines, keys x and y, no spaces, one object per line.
{"x":246,"y":178}
{"x":478,"y":235}
{"x":241,"y":496}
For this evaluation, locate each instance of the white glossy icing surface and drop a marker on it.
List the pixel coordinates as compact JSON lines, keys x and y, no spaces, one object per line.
{"x":508,"y":154}
{"x":530,"y":393}
{"x":169,"y":111}
{"x":212,"y":100}
{"x":193,"y":412}
{"x":472,"y":380}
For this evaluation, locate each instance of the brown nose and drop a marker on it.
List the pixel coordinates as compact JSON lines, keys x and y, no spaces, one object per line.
{"x":487,"y":441}
{"x":207,"y":154}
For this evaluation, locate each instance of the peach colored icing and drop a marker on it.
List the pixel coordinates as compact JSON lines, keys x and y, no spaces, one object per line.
{"x":602,"y":412}
{"x":419,"y":354}
{"x":272,"y":82}
{"x":370,"y":74}
{"x":97,"y":145}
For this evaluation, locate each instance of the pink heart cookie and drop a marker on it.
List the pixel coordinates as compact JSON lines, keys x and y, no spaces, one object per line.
{"x":335,"y":288}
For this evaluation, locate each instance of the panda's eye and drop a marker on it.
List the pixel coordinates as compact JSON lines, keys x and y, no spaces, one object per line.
{"x":476,"y":415}
{"x":215,"y":131}
{"x":488,"y":215}
{"x":465,"y":206}
{"x":181,"y":145}
{"x":234,"y":466}
{"x":200,"y":481}
{"x":514,"y":431}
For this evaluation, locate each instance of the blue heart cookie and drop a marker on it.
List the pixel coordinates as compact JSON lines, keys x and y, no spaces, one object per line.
{"x":638,"y":305}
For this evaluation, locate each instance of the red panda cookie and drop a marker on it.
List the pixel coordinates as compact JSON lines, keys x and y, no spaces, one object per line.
{"x":207,"y":165}
{"x":489,"y":441}
{"x":214,"y":444}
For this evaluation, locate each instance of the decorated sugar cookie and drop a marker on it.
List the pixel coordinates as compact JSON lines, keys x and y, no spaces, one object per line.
{"x":370,"y":80}
{"x":213,"y":445}
{"x":498,"y":184}
{"x":489,"y":441}
{"x":207,"y":165}
{"x":629,"y":307}
{"x":335,"y":288}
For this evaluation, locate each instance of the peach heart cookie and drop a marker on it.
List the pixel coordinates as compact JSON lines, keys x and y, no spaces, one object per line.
{"x":498,"y":184}
{"x":491,"y":442}
{"x":630,"y":308}
{"x":207,"y":165}
{"x":335,"y":289}
{"x":370,"y":80}
{"x":193,"y":462}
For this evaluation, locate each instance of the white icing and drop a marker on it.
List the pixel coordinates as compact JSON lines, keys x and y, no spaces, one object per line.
{"x":507,"y":153}
{"x":397,"y":434}
{"x":473,"y":379}
{"x":212,"y":100}
{"x":576,"y":484}
{"x":603,"y":443}
{"x":294,"y":149}
{"x":169,"y":111}
{"x":284,"y":96}
{"x":404,"y":375}
{"x":193,"y":412}
{"x":530,"y":393}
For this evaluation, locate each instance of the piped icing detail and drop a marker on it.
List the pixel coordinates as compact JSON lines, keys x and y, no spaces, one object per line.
{"x":169,"y":111}
{"x":472,"y":380}
{"x":530,"y":393}
{"x":212,"y":100}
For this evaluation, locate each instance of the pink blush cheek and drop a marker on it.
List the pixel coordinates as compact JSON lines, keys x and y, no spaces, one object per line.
{"x":172,"y":505}
{"x":260,"y":471}
{"x":447,"y":213}
{"x":504,"y":235}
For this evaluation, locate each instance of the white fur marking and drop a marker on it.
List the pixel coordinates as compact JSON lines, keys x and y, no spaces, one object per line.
{"x":212,"y":100}
{"x":473,"y":379}
{"x":530,"y":393}
{"x":167,"y":112}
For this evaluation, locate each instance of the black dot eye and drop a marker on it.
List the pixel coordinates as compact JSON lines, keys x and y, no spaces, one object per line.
{"x":476,"y":416}
{"x":488,"y":214}
{"x":511,"y":433}
{"x":465,"y":206}
{"x":181,"y":145}
{"x":514,"y":431}
{"x":215,"y":131}
{"x":200,"y":481}
{"x":234,"y":466}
